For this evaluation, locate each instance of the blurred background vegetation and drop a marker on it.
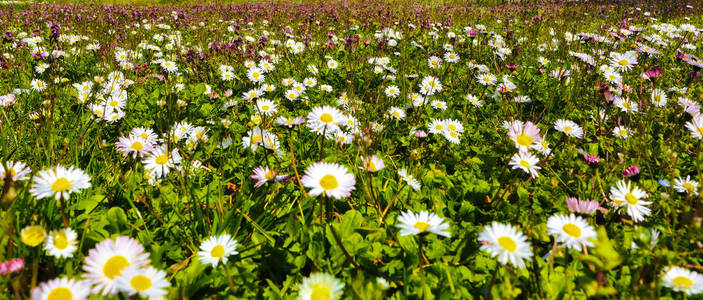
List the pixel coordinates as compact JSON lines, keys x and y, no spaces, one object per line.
{"x":405,"y":2}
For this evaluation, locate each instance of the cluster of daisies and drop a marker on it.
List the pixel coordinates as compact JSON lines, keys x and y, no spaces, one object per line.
{"x":114,"y":266}
{"x":157,"y":160}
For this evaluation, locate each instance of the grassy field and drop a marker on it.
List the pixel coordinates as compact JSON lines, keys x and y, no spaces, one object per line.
{"x":351,"y":150}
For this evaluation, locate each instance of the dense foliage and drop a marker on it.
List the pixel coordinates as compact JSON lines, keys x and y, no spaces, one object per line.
{"x":351,"y":149}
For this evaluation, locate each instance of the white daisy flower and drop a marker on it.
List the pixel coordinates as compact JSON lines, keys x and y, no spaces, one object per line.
{"x":217,"y":249}
{"x":59,"y":182}
{"x":409,"y":179}
{"x":683,"y":280}
{"x":392,"y":91}
{"x":61,"y":243}
{"x":623,"y":194}
{"x":506,"y":243}
{"x":527,"y":162}
{"x":108,"y":259}
{"x":430,"y":85}
{"x":266,"y":107}
{"x":474,"y":100}
{"x":38,"y":85}
{"x":373,"y":163}
{"x":396,"y":113}
{"x":622,"y":132}
{"x":320,"y":286}
{"x":436,"y":126}
{"x":60,"y":289}
{"x":687,"y":185}
{"x":625,"y":61}
{"x":145,"y":281}
{"x":414,"y":224}
{"x":569,"y":128}
{"x":160,"y":162}
{"x":17,"y":170}
{"x":572,"y":231}
{"x":659,"y":97}
{"x":333,"y":180}
{"x":696,"y":126}
{"x":325,"y":119}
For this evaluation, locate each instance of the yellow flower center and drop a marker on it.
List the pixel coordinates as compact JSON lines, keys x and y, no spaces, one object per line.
{"x":137,"y":146}
{"x":567,"y":128}
{"x":114,"y":266}
{"x":422,"y":226}
{"x":326,"y":118}
{"x":320,"y":292}
{"x":162,"y":159}
{"x":140,"y":283}
{"x":631,"y":199}
{"x":372,"y":166}
{"x":683,"y":282}
{"x":524,"y":140}
{"x":255,"y":139}
{"x":626,"y":104}
{"x":700,"y":130}
{"x":572,"y":230}
{"x":144,"y":135}
{"x":114,"y":103}
{"x":623,"y":62}
{"x":12,"y":172}
{"x":61,"y":185}
{"x":269,"y":175}
{"x":265,"y":108}
{"x":60,"y":293}
{"x":217,"y":251}
{"x":525,"y":164}
{"x":623,"y":132}
{"x":507,"y":243}
{"x":396,"y":114}
{"x":60,"y":240}
{"x":688,"y":186}
{"x":438,"y":127}
{"x":329,"y":182}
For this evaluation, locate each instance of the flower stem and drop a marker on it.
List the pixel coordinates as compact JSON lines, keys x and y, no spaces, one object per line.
{"x":229,"y":277}
{"x":62,"y":203}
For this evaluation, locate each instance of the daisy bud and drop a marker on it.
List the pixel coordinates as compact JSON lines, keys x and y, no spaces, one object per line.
{"x":11,"y":266}
{"x":631,"y":171}
{"x":592,"y":159}
{"x":33,"y":235}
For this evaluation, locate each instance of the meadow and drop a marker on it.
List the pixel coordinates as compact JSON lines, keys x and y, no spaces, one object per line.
{"x":351,"y":150}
